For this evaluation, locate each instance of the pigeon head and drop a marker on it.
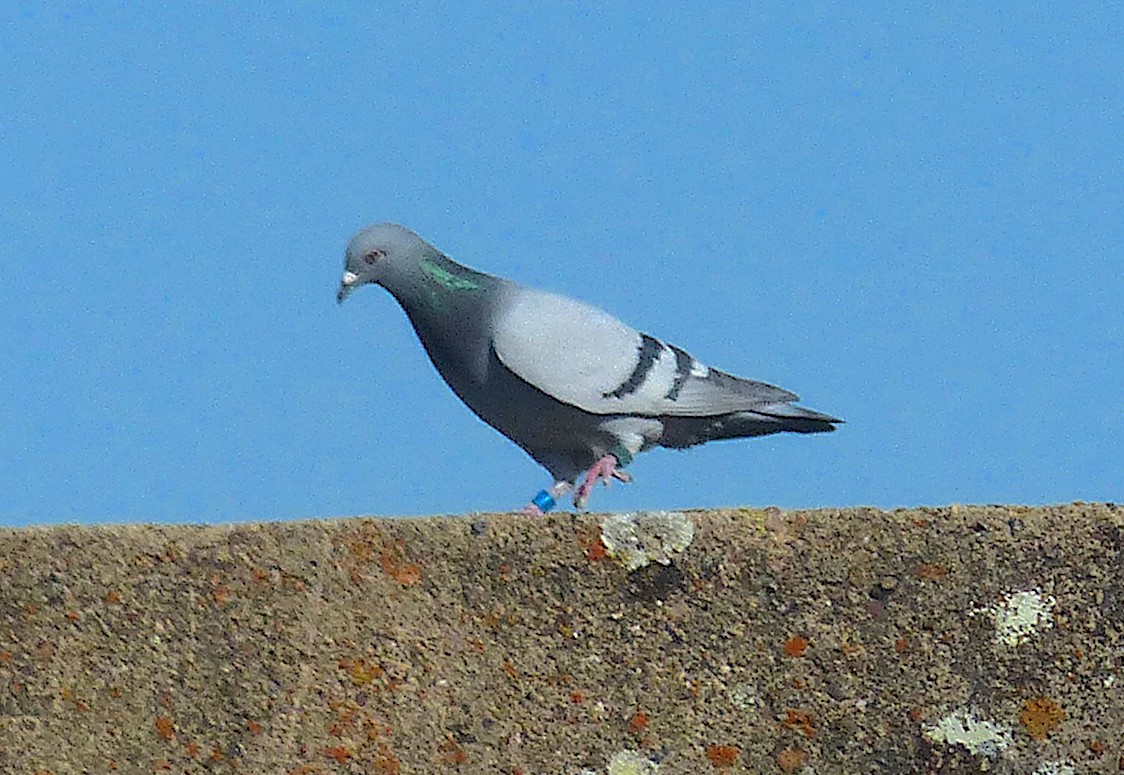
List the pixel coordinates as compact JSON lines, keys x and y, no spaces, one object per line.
{"x":378,"y":253}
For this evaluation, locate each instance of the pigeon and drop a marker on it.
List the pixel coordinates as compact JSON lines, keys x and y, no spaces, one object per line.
{"x":578,"y":390}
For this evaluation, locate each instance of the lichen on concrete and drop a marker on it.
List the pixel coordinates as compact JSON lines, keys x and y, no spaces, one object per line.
{"x":1021,"y":615}
{"x":638,"y":539}
{"x":822,"y":641}
{"x":965,"y":728}
{"x":629,"y":762}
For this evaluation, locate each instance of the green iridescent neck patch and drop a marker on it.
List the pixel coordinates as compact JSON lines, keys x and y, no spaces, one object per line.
{"x":446,"y":278}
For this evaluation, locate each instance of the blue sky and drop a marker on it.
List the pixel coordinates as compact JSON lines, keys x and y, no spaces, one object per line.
{"x":910,"y":216}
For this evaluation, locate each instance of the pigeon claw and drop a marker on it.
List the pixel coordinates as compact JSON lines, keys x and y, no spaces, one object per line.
{"x":604,"y":470}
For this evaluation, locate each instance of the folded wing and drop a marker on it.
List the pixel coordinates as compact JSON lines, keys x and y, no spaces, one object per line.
{"x":584,"y":357}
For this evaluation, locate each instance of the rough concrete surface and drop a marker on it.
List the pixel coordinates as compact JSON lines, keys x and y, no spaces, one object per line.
{"x":943,"y":640}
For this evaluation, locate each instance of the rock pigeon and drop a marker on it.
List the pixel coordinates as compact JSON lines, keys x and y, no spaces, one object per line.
{"x":577,"y":389}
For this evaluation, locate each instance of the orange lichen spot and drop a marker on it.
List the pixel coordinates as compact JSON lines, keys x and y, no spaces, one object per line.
{"x":111,"y":765}
{"x":30,"y":609}
{"x":900,"y":645}
{"x":852,"y":649}
{"x":795,"y":646}
{"x":72,"y":616}
{"x":221,"y":595}
{"x":590,"y":542}
{"x":337,"y":752}
{"x":345,"y":718}
{"x":799,"y":720}
{"x":638,"y":723}
{"x":67,"y":695}
{"x":217,"y":754}
{"x":165,"y":728}
{"x":791,"y":759}
{"x":722,"y":756}
{"x":393,"y":564}
{"x":931,"y":571}
{"x":305,"y":769}
{"x":577,"y":697}
{"x":408,"y":575}
{"x":1040,"y":715}
{"x":1096,"y":747}
{"x":112,"y":598}
{"x":452,"y":753}
{"x":193,"y":749}
{"x":362,"y":671}
{"x":363,"y":548}
{"x":5,"y":657}
{"x":596,"y":552}
{"x":345,"y":710}
{"x":510,"y":669}
{"x":254,"y":727}
{"x":162,"y":764}
{"x":385,"y":762}
{"x":915,"y":715}
{"x":376,"y":729}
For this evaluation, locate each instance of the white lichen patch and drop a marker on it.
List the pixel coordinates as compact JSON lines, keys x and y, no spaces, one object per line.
{"x":641,"y":538}
{"x":1055,"y":768}
{"x":629,"y":762}
{"x":1021,"y":615}
{"x":745,"y":697}
{"x":963,"y":727}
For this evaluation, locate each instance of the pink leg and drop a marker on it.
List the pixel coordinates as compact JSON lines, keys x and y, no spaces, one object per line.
{"x":604,"y":470}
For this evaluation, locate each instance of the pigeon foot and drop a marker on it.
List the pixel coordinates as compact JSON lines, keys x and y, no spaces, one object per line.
{"x":545,"y":500}
{"x":604,"y":470}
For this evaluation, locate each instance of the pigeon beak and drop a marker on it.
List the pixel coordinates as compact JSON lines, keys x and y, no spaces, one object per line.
{"x":347,"y":285}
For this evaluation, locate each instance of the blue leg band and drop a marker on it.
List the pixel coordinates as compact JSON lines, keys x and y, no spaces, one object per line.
{"x":544,"y":500}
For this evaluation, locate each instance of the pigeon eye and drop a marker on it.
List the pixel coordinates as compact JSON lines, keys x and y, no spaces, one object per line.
{"x":373,"y":256}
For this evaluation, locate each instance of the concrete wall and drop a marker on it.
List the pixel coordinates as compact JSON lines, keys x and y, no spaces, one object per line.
{"x":945,"y":640}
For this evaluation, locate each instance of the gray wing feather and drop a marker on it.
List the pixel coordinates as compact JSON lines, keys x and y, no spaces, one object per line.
{"x":582,"y":356}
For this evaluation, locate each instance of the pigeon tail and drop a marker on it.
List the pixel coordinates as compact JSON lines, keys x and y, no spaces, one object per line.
{"x":809,"y":420}
{"x":683,"y":432}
